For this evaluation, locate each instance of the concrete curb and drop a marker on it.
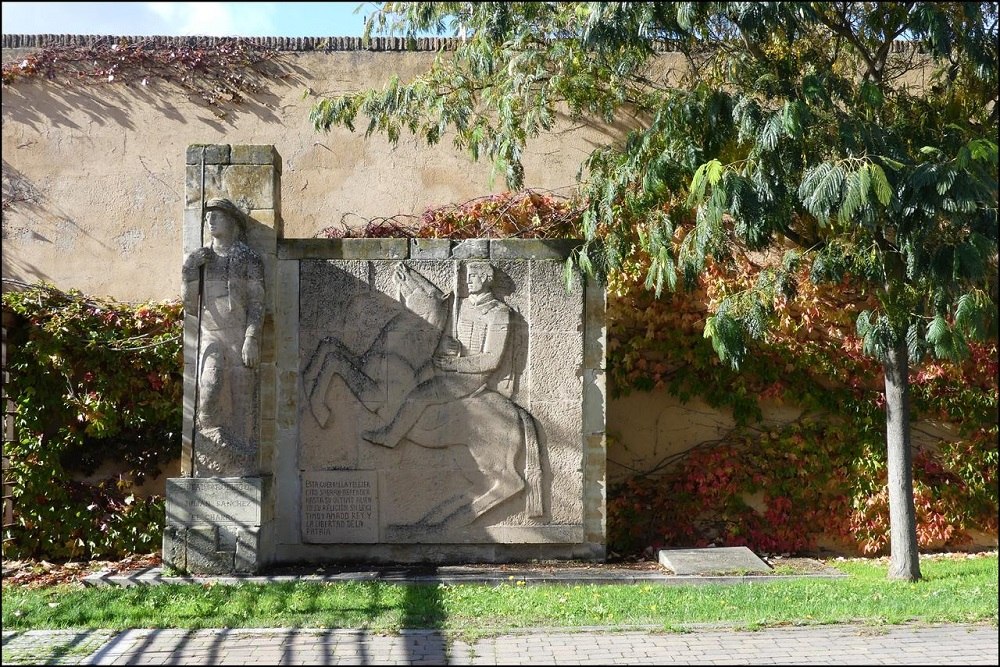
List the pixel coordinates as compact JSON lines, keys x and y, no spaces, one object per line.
{"x":449,"y":576}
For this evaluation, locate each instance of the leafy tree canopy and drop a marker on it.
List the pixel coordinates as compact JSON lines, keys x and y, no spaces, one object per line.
{"x":858,"y":139}
{"x":859,"y":136}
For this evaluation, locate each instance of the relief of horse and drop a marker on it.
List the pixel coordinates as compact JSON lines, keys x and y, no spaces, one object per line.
{"x":495,"y":429}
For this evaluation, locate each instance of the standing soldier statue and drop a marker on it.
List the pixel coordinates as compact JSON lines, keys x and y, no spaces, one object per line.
{"x":224,"y":285}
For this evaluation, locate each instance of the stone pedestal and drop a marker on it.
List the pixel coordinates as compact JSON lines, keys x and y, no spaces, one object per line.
{"x":219,"y":525}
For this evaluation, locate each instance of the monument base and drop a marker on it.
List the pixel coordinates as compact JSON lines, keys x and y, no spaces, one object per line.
{"x":217,"y":525}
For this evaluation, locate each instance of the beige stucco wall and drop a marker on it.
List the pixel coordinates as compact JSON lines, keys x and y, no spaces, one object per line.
{"x":107,"y":164}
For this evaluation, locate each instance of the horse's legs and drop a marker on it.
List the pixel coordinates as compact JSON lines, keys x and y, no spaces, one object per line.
{"x":324,"y":365}
{"x":434,"y":391}
{"x":498,"y":466}
{"x":454,"y":510}
{"x":506,"y":484}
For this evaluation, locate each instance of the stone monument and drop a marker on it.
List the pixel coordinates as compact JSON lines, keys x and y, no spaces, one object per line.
{"x":379,"y":400}
{"x":218,"y":513}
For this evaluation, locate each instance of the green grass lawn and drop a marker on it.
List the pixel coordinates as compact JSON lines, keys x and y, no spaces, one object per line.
{"x":952,"y":590}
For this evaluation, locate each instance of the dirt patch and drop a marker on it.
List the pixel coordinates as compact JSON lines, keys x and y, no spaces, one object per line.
{"x":42,"y":573}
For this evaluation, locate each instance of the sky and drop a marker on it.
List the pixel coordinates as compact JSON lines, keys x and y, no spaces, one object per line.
{"x":220,"y":19}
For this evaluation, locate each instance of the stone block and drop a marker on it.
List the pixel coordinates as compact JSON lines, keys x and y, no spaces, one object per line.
{"x":262,"y":234}
{"x":430,"y":248}
{"x":214,"y":186}
{"x":214,"y":500}
{"x":250,"y":185}
{"x":255,"y":154}
{"x":595,"y":457}
{"x":193,"y":237}
{"x":175,"y":548}
{"x":248,"y":551}
{"x":362,"y":249}
{"x":192,"y":190}
{"x":470,"y":249}
{"x":214,"y":524}
{"x":268,"y":436}
{"x":563,"y":462}
{"x":555,"y":306}
{"x":556,"y":363}
{"x":370,"y":249}
{"x":194,"y":154}
{"x":594,"y":401}
{"x":225,"y":537}
{"x":212,"y":154}
{"x":286,"y":315}
{"x":557,"y":249}
{"x":552,"y":534}
{"x":594,"y":327}
{"x":714,"y":561}
{"x":217,"y":153}
{"x":203,"y":553}
{"x":287,"y":486}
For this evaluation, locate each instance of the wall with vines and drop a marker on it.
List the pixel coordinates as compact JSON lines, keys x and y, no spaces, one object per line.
{"x":820,"y":479}
{"x":94,"y":381}
{"x":97,"y":379}
{"x":121,"y":111}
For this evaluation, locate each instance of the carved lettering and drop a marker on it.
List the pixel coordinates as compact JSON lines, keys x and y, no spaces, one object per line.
{"x":339,"y":506}
{"x":195,"y":501}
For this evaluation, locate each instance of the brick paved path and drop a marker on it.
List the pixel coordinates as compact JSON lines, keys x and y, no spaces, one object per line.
{"x":818,"y":645}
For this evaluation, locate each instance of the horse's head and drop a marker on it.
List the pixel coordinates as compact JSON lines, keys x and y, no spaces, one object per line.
{"x":421,"y":297}
{"x":428,"y":307}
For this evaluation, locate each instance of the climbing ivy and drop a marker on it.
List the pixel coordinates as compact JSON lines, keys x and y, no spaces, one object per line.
{"x":221,"y":73}
{"x":822,"y":477}
{"x":94,"y":381}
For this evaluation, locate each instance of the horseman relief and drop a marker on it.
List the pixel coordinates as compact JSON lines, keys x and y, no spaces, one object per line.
{"x":439,"y":374}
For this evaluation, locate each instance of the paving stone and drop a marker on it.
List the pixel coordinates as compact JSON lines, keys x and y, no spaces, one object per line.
{"x":714,"y":561}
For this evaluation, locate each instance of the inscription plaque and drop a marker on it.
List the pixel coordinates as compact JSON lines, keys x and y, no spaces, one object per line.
{"x":340,"y":506}
{"x":193,"y":501}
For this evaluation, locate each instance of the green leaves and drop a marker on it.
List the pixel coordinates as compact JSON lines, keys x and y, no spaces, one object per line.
{"x":821,"y":190}
{"x":851,"y":188}
{"x":707,"y":174}
{"x":96,"y":380}
{"x":658,"y":237}
{"x":882,"y":188}
{"x":727,"y":337}
{"x":947,"y":342}
{"x":972,"y":313}
{"x":790,"y":123}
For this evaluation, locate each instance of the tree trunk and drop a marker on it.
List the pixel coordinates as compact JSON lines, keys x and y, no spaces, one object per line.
{"x":904,"y":562}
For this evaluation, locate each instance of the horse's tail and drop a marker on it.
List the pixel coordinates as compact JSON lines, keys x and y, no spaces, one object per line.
{"x":532,"y":466}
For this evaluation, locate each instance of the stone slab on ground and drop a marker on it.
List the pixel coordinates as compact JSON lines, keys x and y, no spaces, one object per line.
{"x":712,"y":561}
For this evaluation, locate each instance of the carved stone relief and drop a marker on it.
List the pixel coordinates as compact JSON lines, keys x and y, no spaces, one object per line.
{"x":415,"y":369}
{"x":382,"y":398}
{"x":224,"y":285}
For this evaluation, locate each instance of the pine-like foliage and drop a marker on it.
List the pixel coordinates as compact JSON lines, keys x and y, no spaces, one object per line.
{"x":861,"y":137}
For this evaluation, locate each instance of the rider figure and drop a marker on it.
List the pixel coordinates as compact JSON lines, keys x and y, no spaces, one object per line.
{"x":464,"y":360}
